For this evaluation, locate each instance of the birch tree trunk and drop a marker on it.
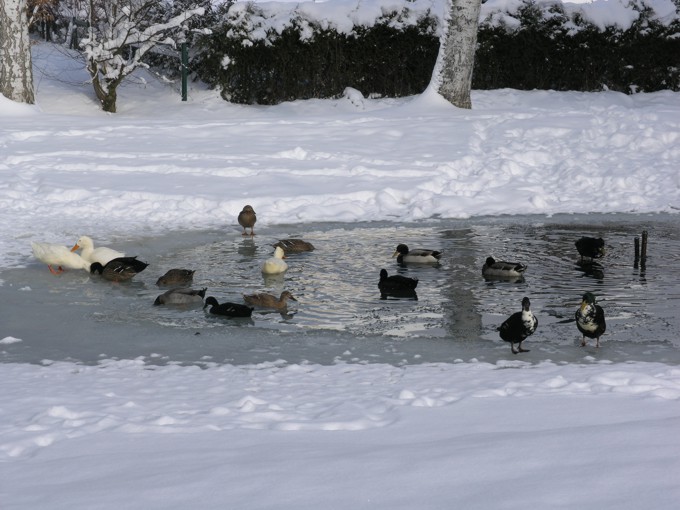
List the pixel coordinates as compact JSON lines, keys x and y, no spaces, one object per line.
{"x":456,"y":59}
{"x":16,"y":71}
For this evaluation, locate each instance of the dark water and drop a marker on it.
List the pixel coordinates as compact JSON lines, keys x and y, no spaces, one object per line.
{"x":339,"y":314}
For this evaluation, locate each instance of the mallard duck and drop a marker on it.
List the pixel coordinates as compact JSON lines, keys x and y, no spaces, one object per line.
{"x":181,"y":296}
{"x":176,"y":277}
{"x":519,"y":326}
{"x":396,"y":285}
{"x":493,"y":267}
{"x":265,"y":300}
{"x":247,"y":219}
{"x":227,"y":309}
{"x":275,"y":264}
{"x":102,"y":254}
{"x":58,"y":255}
{"x":416,"y":256}
{"x":591,"y":247}
{"x":119,"y":269}
{"x":590,"y":319}
{"x":290,"y":246}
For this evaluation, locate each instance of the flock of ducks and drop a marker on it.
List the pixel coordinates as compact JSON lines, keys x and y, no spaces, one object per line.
{"x":590,"y":319}
{"x":115,"y":266}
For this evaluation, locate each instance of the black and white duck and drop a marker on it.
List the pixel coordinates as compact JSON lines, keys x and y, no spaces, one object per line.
{"x":119,"y":269}
{"x":227,"y":309}
{"x":493,"y":267}
{"x":181,"y":296}
{"x":416,"y":256}
{"x":590,"y":319}
{"x":519,"y":326}
{"x":264,"y":300}
{"x":590,"y":247}
{"x":176,"y":277}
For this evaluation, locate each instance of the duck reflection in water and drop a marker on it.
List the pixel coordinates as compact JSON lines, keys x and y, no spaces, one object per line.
{"x":590,"y":268}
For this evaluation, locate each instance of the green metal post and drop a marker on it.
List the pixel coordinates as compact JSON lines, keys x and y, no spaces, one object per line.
{"x":185,"y":70}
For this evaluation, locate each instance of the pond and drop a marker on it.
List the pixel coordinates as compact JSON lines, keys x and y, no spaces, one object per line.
{"x":339,"y":314}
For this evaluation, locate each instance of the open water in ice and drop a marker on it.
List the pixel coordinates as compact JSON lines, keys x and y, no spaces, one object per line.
{"x":339,"y":314}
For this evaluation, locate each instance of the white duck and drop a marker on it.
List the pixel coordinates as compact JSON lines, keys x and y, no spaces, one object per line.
{"x":275,"y":264}
{"x":58,"y":255}
{"x":91,"y":254}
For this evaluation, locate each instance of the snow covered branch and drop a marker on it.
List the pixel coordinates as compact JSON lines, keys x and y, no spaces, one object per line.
{"x":121,"y":32}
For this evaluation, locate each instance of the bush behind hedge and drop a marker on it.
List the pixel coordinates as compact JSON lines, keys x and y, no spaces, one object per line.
{"x":252,"y":61}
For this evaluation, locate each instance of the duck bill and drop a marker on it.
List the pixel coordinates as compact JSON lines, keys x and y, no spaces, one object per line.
{"x":395,"y":254}
{"x":75,"y":247}
{"x":583,"y":305}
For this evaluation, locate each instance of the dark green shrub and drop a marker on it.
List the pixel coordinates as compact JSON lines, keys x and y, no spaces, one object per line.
{"x":547,"y":49}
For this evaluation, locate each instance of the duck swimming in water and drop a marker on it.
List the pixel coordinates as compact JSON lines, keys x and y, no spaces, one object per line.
{"x":416,"y":256}
{"x":176,"y":277}
{"x":227,"y":309}
{"x":264,"y":300}
{"x":396,"y":285}
{"x":291,"y":246}
{"x":181,"y":296}
{"x":590,"y":247}
{"x":493,"y":267}
{"x":275,"y":264}
{"x":119,"y":269}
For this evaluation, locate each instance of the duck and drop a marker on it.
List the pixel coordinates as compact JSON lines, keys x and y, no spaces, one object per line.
{"x":590,"y":319}
{"x":181,"y":296}
{"x":58,"y":255}
{"x":265,"y":300}
{"x":275,"y":264}
{"x":103,"y":255}
{"x":290,"y":246}
{"x":416,"y":256}
{"x":119,"y":269}
{"x":520,"y":325}
{"x":176,"y":277}
{"x":591,"y":247}
{"x":493,"y":267}
{"x":396,"y":285}
{"x":247,"y":219}
{"x":227,"y":309}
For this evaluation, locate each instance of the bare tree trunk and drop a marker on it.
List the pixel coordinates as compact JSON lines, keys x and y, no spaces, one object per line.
{"x":455,"y":63}
{"x":16,"y":71}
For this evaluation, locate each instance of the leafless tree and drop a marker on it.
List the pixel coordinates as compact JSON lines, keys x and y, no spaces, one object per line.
{"x":120,"y":33}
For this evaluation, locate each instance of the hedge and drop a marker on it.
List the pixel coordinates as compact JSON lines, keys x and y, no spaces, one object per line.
{"x":546,"y":48}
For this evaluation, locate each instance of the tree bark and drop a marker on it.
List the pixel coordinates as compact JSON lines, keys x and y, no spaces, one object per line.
{"x":16,"y":71}
{"x":456,"y":59}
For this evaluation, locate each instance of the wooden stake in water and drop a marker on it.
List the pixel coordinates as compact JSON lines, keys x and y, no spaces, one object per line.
{"x":637,"y":252}
{"x":643,"y":252}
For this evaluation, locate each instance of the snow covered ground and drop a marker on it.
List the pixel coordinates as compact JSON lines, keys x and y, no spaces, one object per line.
{"x":130,"y":434}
